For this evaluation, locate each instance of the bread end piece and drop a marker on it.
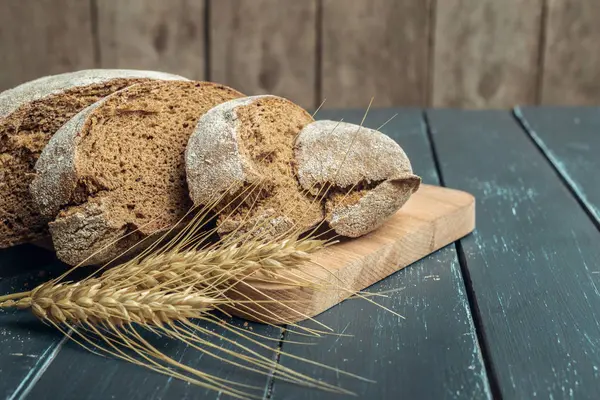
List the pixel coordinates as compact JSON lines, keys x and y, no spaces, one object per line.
{"x":367,"y":174}
{"x":354,"y":216}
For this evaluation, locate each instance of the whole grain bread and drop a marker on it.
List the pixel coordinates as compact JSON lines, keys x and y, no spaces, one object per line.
{"x":29,"y":115}
{"x":117,"y":168}
{"x":366,"y":174}
{"x":240,"y":160}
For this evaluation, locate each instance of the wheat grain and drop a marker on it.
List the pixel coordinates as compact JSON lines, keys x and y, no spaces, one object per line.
{"x":91,"y":301}
{"x":214,"y":267}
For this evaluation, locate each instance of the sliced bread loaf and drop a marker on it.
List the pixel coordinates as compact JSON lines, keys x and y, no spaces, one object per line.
{"x":241,"y":153}
{"x":29,"y":115}
{"x":367,"y":175}
{"x":118,"y":167}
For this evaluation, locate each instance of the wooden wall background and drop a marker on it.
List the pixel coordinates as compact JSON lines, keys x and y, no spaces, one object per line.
{"x":444,"y":53}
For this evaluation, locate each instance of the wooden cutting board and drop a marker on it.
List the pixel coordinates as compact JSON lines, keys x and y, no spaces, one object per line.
{"x":432,"y":218}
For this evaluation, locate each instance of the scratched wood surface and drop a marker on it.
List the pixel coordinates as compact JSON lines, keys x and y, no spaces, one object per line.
{"x":486,"y":53}
{"x":570,"y":138}
{"x":265,"y":46}
{"x":152,"y":34}
{"x":571,"y":57}
{"x":48,"y":37}
{"x":533,"y":261}
{"x":432,"y":352}
{"x":374,"y":48}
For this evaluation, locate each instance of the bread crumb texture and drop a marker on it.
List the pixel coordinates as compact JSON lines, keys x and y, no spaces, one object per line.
{"x":246,"y":147}
{"x":23,"y":135}
{"x":29,"y":116}
{"x":128,"y":169}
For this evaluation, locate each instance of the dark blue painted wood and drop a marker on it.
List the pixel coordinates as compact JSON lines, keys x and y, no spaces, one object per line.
{"x":570,"y":138}
{"x":433,"y":353}
{"x":26,"y":346}
{"x":93,"y":377}
{"x":533,"y":262}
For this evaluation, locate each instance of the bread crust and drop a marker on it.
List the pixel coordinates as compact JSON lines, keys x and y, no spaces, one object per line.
{"x":214,"y":164}
{"x":12,"y":99}
{"x":55,"y":176}
{"x":369,"y":174}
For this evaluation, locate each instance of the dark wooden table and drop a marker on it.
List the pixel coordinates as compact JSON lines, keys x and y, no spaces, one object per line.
{"x":510,"y":312}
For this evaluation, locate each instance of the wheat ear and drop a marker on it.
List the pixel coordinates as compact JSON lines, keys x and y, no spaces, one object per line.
{"x":210,"y":268}
{"x":173,"y":288}
{"x":93,"y":306}
{"x":91,"y":301}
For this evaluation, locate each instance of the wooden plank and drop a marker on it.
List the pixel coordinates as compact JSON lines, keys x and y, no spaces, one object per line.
{"x":265,"y":46}
{"x":45,"y":38}
{"x":486,"y":53}
{"x":375,"y":48}
{"x":569,"y":138}
{"x":431,"y":354}
{"x":26,"y":346}
{"x":571,"y":57}
{"x":153,"y":34}
{"x":93,"y":377}
{"x":532,"y":261}
{"x":431,"y":219}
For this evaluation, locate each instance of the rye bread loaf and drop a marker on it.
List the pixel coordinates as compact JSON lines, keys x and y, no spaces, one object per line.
{"x":29,"y":115}
{"x":241,"y":156}
{"x":118,"y":167}
{"x":367,"y":174}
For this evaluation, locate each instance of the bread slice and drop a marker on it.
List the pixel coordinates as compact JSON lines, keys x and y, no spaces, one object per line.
{"x":118,"y":167}
{"x":241,"y":153}
{"x":29,"y":115}
{"x":367,"y":175}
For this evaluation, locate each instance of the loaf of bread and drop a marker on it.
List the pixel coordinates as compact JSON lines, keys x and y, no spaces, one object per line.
{"x":121,"y":156}
{"x":300,"y":171}
{"x":367,"y":175}
{"x":117,"y":168}
{"x":241,"y":156}
{"x":29,"y":115}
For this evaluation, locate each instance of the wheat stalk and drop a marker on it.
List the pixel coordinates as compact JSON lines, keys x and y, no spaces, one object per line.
{"x":162,"y":293}
{"x":93,"y":306}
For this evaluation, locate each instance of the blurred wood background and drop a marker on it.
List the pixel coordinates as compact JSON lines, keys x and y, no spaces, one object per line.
{"x":444,"y":53}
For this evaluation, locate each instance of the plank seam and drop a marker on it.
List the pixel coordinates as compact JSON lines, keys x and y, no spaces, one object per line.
{"x":271,"y":381}
{"x":542,"y":52}
{"x":432,"y":18}
{"x":207,"y":38}
{"x":36,"y":372}
{"x":564,"y":177}
{"x":318,"y":54}
{"x":95,"y":33}
{"x":471,"y":297}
